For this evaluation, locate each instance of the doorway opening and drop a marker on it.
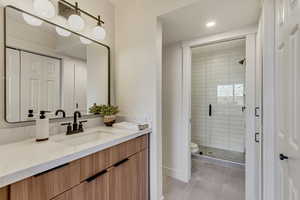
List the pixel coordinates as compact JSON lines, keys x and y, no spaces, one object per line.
{"x":218,"y":101}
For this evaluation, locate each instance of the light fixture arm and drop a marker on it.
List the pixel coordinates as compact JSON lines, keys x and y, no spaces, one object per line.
{"x":76,"y":8}
{"x":79,"y":10}
{"x":99,"y":21}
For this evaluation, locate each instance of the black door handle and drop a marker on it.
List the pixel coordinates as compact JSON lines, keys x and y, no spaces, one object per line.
{"x":283,"y":157}
{"x":210,"y":111}
{"x":257,"y":137}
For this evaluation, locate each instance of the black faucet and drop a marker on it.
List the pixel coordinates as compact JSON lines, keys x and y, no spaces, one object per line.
{"x":60,"y":111}
{"x":77,"y":128}
{"x":75,"y":123}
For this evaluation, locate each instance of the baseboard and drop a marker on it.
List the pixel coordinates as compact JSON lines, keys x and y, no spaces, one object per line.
{"x":175,"y":174}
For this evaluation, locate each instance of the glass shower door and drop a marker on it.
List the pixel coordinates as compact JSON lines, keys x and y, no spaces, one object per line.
{"x":218,"y":82}
{"x":227,"y":123}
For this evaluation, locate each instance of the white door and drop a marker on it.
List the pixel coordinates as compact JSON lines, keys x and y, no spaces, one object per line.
{"x":80,"y":87}
{"x":40,"y":84}
{"x":74,"y":85}
{"x":288,"y":98}
{"x":51,"y":87}
{"x":68,"y":81}
{"x":12,"y":85}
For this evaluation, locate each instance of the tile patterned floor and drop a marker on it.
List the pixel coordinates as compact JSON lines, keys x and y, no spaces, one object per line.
{"x":210,"y":181}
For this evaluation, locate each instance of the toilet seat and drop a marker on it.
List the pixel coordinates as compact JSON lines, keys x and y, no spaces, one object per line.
{"x":194,"y":148}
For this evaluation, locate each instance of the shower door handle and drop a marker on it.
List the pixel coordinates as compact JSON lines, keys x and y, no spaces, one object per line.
{"x":210,"y":110}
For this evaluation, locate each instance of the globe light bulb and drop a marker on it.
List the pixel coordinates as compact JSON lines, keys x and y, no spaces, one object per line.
{"x":76,"y":22}
{"x":98,"y":33}
{"x":33,"y":21}
{"x":85,"y":41}
{"x":44,"y":8}
{"x":62,"y":32}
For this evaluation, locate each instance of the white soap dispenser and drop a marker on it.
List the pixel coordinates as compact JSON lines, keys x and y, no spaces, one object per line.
{"x":42,"y":127}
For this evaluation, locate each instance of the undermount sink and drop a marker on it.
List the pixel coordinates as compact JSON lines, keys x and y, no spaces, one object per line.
{"x":83,"y":138}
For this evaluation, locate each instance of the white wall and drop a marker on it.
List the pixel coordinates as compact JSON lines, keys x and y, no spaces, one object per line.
{"x":172,"y":136}
{"x":138,"y":67}
{"x":103,"y":7}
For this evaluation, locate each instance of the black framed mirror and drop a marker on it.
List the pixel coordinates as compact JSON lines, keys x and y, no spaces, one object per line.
{"x":50,"y":67}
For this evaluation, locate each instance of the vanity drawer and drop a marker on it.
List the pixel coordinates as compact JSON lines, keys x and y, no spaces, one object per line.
{"x":143,"y":142}
{"x":93,"y":164}
{"x":97,"y":162}
{"x":128,"y":149}
{"x":76,"y":193}
{"x":48,"y":184}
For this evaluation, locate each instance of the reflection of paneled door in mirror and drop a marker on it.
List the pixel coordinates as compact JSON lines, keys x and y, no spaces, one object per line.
{"x":74,"y":85}
{"x":80,"y":99}
{"x":40,"y":84}
{"x":13,"y":85}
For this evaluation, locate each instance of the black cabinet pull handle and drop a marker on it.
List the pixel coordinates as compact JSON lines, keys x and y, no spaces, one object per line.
{"x":51,"y":170}
{"x":96,"y":176}
{"x":121,"y":162}
{"x":210,"y":110}
{"x":283,"y":157}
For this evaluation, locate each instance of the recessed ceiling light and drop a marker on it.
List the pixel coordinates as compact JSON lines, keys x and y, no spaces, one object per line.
{"x":210,"y":24}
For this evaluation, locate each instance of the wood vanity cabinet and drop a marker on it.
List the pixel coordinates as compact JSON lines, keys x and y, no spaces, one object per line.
{"x":129,"y":180}
{"x":117,"y":173}
{"x":48,"y":184}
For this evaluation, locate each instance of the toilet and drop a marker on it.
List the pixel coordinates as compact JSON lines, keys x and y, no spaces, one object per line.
{"x":194,"y":148}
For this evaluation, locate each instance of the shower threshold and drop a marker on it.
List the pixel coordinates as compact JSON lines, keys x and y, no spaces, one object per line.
{"x":221,"y":155}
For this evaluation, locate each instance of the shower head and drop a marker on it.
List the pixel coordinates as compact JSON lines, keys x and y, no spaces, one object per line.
{"x":242,"y":61}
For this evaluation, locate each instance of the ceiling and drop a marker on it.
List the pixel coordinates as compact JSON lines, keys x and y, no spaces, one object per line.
{"x":190,"y":22}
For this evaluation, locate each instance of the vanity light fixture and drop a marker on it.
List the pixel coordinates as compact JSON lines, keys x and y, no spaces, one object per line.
{"x":210,"y":24}
{"x":33,"y":21}
{"x":98,"y":31}
{"x":44,"y":8}
{"x":85,"y":41}
{"x":75,"y":20}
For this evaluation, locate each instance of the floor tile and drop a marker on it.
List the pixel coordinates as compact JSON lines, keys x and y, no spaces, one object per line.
{"x":210,"y":181}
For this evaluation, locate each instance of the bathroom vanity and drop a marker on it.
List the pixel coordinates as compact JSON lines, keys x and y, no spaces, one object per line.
{"x":110,"y":165}
{"x":51,"y":68}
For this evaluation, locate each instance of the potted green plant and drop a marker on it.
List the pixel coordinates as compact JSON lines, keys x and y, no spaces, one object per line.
{"x":108,"y":112}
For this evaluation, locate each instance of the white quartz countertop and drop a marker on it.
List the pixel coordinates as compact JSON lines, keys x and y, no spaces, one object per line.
{"x":28,"y":158}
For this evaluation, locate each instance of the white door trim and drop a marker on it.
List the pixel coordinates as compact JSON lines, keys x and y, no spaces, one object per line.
{"x":269,"y":153}
{"x":249,"y":34}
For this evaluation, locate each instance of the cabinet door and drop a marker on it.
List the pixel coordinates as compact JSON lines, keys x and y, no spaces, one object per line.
{"x":123,"y":180}
{"x":4,"y":193}
{"x":129,"y":178}
{"x":97,"y":187}
{"x":143,"y":175}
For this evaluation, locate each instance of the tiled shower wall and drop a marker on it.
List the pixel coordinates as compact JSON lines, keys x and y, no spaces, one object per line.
{"x":218,"y":79}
